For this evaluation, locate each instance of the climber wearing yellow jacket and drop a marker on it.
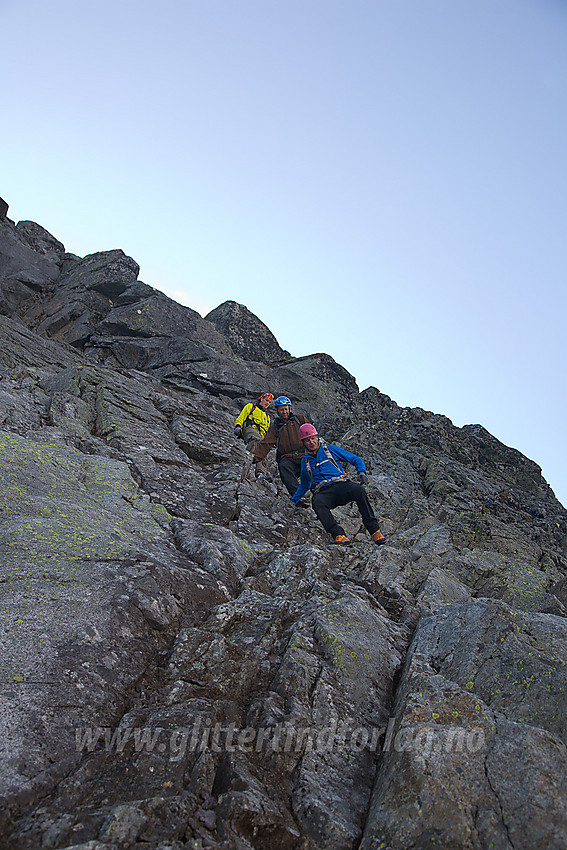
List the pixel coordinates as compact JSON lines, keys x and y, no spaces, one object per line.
{"x":253,"y":421}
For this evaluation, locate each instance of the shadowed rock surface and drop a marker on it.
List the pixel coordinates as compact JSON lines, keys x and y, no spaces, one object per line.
{"x":187,"y":663}
{"x":250,"y":338}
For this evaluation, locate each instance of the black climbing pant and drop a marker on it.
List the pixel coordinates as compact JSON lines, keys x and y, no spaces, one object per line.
{"x":290,"y":469}
{"x":341,"y":493}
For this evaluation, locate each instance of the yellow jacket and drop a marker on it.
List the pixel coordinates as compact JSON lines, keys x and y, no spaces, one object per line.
{"x":259,"y":419}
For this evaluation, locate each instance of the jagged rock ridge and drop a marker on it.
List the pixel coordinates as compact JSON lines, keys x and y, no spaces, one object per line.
{"x":187,"y":663}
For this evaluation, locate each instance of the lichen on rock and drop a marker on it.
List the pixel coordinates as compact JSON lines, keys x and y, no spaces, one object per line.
{"x":187,"y":662}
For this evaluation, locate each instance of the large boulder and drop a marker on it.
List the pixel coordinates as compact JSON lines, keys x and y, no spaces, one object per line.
{"x":476,"y":742}
{"x":153,"y":314}
{"x":248,"y":336}
{"x":83,"y":296}
{"x":30,"y":260}
{"x":324,"y":390}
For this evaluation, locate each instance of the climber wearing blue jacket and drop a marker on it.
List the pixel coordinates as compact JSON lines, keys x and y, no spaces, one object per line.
{"x":323,"y":473}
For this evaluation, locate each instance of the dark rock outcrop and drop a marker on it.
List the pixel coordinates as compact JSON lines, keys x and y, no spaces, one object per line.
{"x":185,"y":660}
{"x":249,"y":337}
{"x":30,"y":262}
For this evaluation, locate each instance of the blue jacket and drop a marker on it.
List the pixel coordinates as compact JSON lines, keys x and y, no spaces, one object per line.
{"x":322,"y":468}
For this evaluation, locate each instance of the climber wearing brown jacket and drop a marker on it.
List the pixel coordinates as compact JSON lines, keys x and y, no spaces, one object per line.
{"x":284,"y":434}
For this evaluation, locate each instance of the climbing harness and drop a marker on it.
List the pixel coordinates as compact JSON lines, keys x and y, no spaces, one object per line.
{"x":249,"y":417}
{"x":326,"y":481}
{"x":252,"y":422}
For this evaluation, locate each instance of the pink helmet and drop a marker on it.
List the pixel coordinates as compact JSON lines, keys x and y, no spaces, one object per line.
{"x":307,"y":430}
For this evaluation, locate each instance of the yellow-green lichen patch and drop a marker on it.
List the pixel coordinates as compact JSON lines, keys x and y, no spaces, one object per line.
{"x":356,"y":640}
{"x":62,"y":513}
{"x":60,"y":505}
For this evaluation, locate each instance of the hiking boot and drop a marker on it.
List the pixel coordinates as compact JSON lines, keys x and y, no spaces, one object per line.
{"x":342,"y":540}
{"x":378,"y":538}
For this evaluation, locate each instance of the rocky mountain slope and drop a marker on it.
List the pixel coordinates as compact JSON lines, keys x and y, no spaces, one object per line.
{"x":187,"y":663}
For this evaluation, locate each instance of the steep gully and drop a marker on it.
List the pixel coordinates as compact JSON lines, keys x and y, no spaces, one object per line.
{"x":407,"y":696}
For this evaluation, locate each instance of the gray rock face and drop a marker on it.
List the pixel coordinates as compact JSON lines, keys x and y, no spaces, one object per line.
{"x":479,"y":704}
{"x":185,"y":660}
{"x":249,"y":337}
{"x":30,"y":261}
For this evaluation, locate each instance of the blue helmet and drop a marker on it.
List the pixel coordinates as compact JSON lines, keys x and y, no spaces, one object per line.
{"x":282,"y":399}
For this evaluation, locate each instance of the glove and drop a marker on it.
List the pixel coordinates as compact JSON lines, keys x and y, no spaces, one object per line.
{"x":363,"y":477}
{"x":238,"y":432}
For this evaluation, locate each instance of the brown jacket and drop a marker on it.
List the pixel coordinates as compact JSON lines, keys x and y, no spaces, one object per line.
{"x":285,"y":435}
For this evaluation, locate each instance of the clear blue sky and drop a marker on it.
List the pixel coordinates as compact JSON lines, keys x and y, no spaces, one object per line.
{"x":382,"y":180}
